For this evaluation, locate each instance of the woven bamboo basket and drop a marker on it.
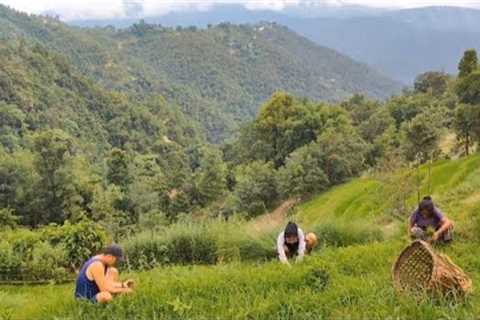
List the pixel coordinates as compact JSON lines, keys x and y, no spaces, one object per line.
{"x":420,"y":269}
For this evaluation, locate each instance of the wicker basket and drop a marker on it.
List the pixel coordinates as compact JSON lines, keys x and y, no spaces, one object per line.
{"x":420,"y":269}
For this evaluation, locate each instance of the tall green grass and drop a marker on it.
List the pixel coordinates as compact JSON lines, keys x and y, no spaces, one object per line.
{"x":337,"y":283}
{"x":190,"y":242}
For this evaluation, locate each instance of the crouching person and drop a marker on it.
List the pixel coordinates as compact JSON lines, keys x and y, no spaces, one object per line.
{"x":98,"y":279}
{"x":293,"y":243}
{"x":426,"y":216}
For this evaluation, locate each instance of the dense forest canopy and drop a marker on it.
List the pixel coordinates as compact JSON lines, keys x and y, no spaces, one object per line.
{"x":218,"y":75}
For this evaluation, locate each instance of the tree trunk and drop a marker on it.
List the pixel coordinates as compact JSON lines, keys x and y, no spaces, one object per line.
{"x":467,"y":144}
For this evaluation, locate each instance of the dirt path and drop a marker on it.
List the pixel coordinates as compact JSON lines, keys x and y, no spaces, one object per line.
{"x":274,"y":219}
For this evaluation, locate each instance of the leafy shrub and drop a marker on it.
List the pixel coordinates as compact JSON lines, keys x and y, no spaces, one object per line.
{"x":10,"y":263}
{"x":8,"y":219}
{"x":48,"y":253}
{"x":192,"y":248}
{"x":47,"y":262}
{"x":23,"y":243}
{"x":197,"y":243}
{"x":82,"y":240}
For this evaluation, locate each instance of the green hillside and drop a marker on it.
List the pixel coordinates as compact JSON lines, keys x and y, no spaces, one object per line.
{"x":351,"y":282}
{"x":40,"y":90}
{"x":219,"y":75}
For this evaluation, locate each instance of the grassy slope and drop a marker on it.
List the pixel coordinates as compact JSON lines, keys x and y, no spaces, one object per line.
{"x":359,"y":284}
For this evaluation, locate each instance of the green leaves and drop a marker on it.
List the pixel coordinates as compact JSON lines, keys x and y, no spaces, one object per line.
{"x":468,"y":64}
{"x":256,"y":187}
{"x":420,"y":138}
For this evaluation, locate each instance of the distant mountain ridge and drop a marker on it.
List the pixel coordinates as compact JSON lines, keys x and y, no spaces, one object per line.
{"x":399,"y":43}
{"x":218,"y":76}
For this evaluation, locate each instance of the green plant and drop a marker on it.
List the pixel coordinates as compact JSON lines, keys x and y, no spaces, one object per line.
{"x":82,"y":240}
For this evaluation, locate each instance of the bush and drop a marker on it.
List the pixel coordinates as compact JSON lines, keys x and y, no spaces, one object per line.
{"x":47,"y":254}
{"x":193,"y":248}
{"x":197,"y":243}
{"x":82,"y":240}
{"x":10,"y":263}
{"x":47,"y":263}
{"x":8,"y":219}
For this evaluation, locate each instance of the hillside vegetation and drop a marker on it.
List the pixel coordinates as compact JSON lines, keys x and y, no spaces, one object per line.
{"x":219,"y":75}
{"x":91,"y":154}
{"x":399,"y":43}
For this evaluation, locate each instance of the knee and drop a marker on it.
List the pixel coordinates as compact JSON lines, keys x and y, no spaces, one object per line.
{"x":104,"y":297}
{"x":112,"y":273}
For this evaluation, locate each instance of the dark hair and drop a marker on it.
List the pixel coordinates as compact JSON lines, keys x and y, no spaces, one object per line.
{"x":291,"y":229}
{"x":113,"y":250}
{"x":426,"y":204}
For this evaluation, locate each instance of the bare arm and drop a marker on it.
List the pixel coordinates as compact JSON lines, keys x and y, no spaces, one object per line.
{"x":411,"y":224}
{"x":301,"y":245}
{"x":97,"y":270}
{"x":280,"y":249}
{"x":445,"y":225}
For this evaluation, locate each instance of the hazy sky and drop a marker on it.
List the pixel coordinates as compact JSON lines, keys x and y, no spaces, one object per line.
{"x":82,"y":9}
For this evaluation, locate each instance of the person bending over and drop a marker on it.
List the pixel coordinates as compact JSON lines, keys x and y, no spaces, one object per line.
{"x":426,"y":216}
{"x":98,"y":278}
{"x":293,"y":243}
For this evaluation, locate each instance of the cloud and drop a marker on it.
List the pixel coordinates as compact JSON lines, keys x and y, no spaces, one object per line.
{"x":69,"y":10}
{"x":155,"y":7}
{"x":104,"y":9}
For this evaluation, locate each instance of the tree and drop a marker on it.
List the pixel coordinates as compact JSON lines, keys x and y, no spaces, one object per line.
{"x":405,"y":108}
{"x":104,"y":208}
{"x":360,"y":108}
{"x":53,"y":150}
{"x":256,"y":188}
{"x":211,"y":178}
{"x":174,"y":163}
{"x":303,"y":172}
{"x":117,"y":169}
{"x":420,"y":138}
{"x":148,"y":183}
{"x":468,"y":64}
{"x":18,"y":185}
{"x":434,"y":83}
{"x":286,"y":124}
{"x":380,"y":132}
{"x":344,"y":153}
{"x":468,"y":88}
{"x":465,"y":123}
{"x":11,"y":125}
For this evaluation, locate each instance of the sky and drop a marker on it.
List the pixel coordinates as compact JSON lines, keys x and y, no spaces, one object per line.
{"x":104,"y":9}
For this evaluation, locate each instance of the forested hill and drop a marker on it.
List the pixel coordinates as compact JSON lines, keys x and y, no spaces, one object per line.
{"x":40,"y":90}
{"x":219,"y":75}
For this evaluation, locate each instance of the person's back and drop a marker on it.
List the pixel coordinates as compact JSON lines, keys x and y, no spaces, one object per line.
{"x":86,"y":288}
